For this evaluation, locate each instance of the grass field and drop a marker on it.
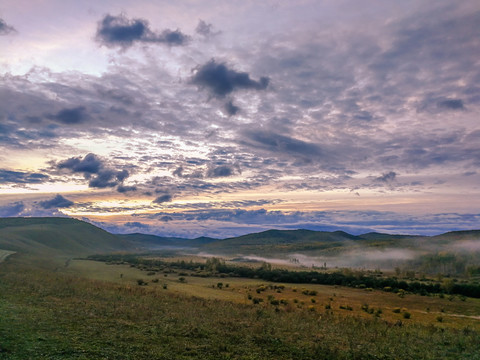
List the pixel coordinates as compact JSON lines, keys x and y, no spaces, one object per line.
{"x":447,"y":312}
{"x":4,"y":254}
{"x":61,"y":314}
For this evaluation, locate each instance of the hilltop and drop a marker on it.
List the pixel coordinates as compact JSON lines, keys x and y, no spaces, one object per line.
{"x":54,"y":236}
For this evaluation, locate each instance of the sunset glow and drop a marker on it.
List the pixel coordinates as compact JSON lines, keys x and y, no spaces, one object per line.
{"x":218,"y":118}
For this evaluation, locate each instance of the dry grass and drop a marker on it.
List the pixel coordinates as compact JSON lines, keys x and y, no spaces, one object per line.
{"x":424,"y":310}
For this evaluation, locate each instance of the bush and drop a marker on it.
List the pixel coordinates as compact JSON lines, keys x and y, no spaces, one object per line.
{"x":407,"y":315}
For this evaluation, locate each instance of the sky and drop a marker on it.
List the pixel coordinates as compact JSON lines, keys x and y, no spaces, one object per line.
{"x":221,"y":118}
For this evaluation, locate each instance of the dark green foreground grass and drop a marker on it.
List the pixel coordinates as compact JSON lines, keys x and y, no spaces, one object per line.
{"x":47,"y":315}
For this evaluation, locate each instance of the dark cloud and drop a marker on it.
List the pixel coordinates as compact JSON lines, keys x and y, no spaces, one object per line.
{"x":452,"y":104}
{"x":163,"y":199}
{"x":136,"y":224}
{"x":96,"y":171}
{"x":119,"y":31}
{"x":18,"y":177}
{"x":205,"y":29}
{"x":221,"y":80}
{"x":387,"y":177}
{"x":13,"y":209}
{"x":6,"y":29}
{"x":90,"y":164}
{"x":220,"y":171}
{"x":281,"y":144}
{"x":123,"y":189}
{"x":107,"y":178}
{"x":57,"y":202}
{"x":70,"y":116}
{"x":180,"y":172}
{"x":230,"y":108}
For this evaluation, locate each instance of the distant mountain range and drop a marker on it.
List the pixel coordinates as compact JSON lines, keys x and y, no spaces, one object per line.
{"x":74,"y":237}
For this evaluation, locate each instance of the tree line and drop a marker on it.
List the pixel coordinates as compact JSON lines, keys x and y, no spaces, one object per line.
{"x":215,"y":266}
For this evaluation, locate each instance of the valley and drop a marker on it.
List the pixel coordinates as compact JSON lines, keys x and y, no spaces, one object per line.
{"x":73,"y":291}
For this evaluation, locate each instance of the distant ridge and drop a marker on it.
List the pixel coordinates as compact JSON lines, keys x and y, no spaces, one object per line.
{"x":68,"y":236}
{"x":153,"y":241}
{"x":51,"y":235}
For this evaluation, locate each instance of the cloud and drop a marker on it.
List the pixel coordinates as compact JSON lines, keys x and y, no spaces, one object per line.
{"x":180,"y":172}
{"x":452,"y":104}
{"x":18,"y":177}
{"x":119,"y":31}
{"x":13,"y":209}
{"x":163,"y":199}
{"x":96,"y":171}
{"x":137,"y":225}
{"x":220,"y":171}
{"x":90,"y":164}
{"x":387,"y":177}
{"x":205,"y":29}
{"x":123,"y":189}
{"x":221,"y":81}
{"x":284,"y":145}
{"x":70,"y":116}
{"x":6,"y":29}
{"x":57,"y":202}
{"x":108,"y":178}
{"x":230,"y":108}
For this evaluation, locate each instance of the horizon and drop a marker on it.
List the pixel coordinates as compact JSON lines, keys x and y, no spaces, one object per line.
{"x":217,"y":119}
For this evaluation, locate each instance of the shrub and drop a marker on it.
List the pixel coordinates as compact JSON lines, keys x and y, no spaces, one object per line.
{"x":440,"y":318}
{"x":406,"y":315}
{"x":396,"y":310}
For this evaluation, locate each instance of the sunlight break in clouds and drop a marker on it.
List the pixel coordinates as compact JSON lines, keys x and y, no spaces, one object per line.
{"x":197,"y":119}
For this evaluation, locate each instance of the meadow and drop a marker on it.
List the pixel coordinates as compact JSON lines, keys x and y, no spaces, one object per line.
{"x":445,"y":311}
{"x":52,"y":312}
{"x":56,"y":304}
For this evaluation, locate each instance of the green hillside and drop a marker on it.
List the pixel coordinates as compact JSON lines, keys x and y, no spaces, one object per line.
{"x":43,"y":236}
{"x":153,"y":241}
{"x":283,"y":240}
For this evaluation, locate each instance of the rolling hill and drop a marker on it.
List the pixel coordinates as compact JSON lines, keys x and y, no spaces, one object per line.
{"x":73,"y":237}
{"x":55,"y":236}
{"x":158,"y":242}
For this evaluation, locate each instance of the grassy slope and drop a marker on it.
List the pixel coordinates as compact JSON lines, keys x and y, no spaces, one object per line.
{"x":153,"y":241}
{"x":48,"y":315}
{"x":55,"y":236}
{"x":455,"y":312}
